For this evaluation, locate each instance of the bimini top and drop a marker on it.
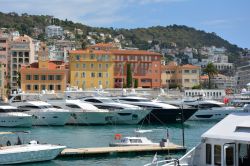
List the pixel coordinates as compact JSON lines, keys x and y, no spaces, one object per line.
{"x":235,"y":127}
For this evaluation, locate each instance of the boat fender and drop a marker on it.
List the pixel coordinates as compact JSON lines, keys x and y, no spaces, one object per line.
{"x":118,"y":136}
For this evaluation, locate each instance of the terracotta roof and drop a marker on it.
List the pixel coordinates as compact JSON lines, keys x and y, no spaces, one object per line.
{"x":89,"y":52}
{"x":133,"y":52}
{"x":188,"y":66}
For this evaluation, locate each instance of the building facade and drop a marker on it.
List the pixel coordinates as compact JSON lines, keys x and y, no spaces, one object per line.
{"x":2,"y":81}
{"x":243,"y":76}
{"x":145,"y":67}
{"x":44,"y":75}
{"x":185,"y":76}
{"x":91,"y":68}
{"x":223,"y":82}
{"x":21,"y":53}
{"x":53,"y":31}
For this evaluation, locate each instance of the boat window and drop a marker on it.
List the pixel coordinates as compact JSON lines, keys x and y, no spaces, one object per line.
{"x":230,"y":156}
{"x":72,"y":106}
{"x":208,"y":106}
{"x":93,"y":100}
{"x":108,"y":107}
{"x":208,"y":154}
{"x":58,"y":107}
{"x":217,"y":155}
{"x":8,"y":110}
{"x":29,"y":107}
{"x":244,"y":154}
{"x":148,"y":107}
{"x":135,"y":141}
{"x":135,"y":100}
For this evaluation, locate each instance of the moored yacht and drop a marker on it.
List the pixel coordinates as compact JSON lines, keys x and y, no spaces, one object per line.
{"x":82,"y":113}
{"x":226,"y":144}
{"x":19,"y":152}
{"x":160,"y":112}
{"x":122,"y":113}
{"x":42,"y":112}
{"x":207,"y":109}
{"x":10,"y":117}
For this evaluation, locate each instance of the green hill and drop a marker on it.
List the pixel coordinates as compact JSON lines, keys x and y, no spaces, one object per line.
{"x":183,"y":36}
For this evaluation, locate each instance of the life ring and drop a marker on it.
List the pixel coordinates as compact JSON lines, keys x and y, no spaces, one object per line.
{"x":118,"y":136}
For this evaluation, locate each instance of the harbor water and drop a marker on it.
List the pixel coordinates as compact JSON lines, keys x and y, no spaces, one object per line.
{"x":101,"y":136}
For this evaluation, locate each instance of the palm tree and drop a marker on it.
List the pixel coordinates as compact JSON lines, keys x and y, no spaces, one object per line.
{"x":211,"y":71}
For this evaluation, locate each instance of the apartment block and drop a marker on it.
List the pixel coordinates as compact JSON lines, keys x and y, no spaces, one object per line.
{"x":91,"y":68}
{"x":2,"y":80}
{"x":44,"y":75}
{"x":185,"y":76}
{"x":54,"y":31}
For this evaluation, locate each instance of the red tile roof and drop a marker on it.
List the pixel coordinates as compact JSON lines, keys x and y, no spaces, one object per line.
{"x":188,"y":66}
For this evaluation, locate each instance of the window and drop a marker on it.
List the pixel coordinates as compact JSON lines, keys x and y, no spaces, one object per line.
{"x":99,"y":74}
{"x":84,"y":65}
{"x":194,"y":71}
{"x":77,"y":57}
{"x":28,"y":87}
{"x":92,"y":56}
{"x":77,"y":65}
{"x":58,"y":77}
{"x":51,"y":87}
{"x":43,"y":87}
{"x":92,"y":65}
{"x":28,"y":77}
{"x":107,"y":75}
{"x":93,"y":101}
{"x":36,"y":77}
{"x":72,"y":106}
{"x":58,"y":87}
{"x":43,"y":77}
{"x":100,"y":66}
{"x":186,"y":80}
{"x":217,"y":155}
{"x":83,"y":74}
{"x":208,"y":154}
{"x":107,"y":66}
{"x":186,"y":71}
{"x":99,"y":82}
{"x":92,"y":75}
{"x":51,"y":77}
{"x":35,"y":87}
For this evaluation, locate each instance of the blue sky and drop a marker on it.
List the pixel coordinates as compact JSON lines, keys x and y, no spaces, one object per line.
{"x":230,"y":19}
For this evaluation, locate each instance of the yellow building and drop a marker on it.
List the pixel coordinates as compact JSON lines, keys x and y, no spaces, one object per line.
{"x":185,"y":76}
{"x":91,"y":68}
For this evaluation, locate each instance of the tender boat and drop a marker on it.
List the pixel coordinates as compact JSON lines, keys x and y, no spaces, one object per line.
{"x":43,"y":113}
{"x":122,"y":113}
{"x":25,"y":153}
{"x":138,"y":140}
{"x":10,"y":117}
{"x":225,"y":144}
{"x":160,"y":112}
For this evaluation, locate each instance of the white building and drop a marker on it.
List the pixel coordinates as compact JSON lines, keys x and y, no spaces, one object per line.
{"x":223,"y":82}
{"x":243,"y":76}
{"x":54,"y":31}
{"x":207,"y":93}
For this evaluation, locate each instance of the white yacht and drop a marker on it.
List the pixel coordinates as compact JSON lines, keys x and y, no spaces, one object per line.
{"x":42,"y":112}
{"x":226,"y":144}
{"x":160,"y":112}
{"x":82,"y":113}
{"x":10,"y":117}
{"x":122,"y":113}
{"x":207,"y":109}
{"x":23,"y":153}
{"x":138,"y":140}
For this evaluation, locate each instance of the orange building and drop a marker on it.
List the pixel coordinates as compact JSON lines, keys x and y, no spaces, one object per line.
{"x":44,"y":75}
{"x":145,"y":67}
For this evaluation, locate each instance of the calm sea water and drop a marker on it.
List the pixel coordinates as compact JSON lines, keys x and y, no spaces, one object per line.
{"x":100,"y":136}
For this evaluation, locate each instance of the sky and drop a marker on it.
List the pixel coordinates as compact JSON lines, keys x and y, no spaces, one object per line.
{"x":230,"y":19}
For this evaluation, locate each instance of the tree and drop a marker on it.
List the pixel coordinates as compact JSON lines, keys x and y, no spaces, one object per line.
{"x":136,"y":83}
{"x":129,"y":76}
{"x":211,"y":71}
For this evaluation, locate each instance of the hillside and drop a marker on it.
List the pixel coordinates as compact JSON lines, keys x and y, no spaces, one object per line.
{"x":143,"y":38}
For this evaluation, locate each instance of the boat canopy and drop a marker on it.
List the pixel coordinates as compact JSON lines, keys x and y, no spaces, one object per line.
{"x":235,"y":127}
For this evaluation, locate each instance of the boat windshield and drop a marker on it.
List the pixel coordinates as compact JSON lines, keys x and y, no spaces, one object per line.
{"x":8,"y":110}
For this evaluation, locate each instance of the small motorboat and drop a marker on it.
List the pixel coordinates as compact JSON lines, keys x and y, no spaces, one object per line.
{"x":18,"y":152}
{"x":138,"y":140}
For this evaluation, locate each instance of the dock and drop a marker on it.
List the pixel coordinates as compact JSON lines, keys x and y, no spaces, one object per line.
{"x":107,"y":151}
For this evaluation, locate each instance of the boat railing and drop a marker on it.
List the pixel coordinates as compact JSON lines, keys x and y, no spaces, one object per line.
{"x":169,"y":162}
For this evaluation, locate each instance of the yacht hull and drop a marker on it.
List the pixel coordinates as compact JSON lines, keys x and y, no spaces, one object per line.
{"x":49,"y":118}
{"x":128,"y":116}
{"x":213,"y":113}
{"x":89,"y":118}
{"x":157,"y":116}
{"x":28,"y":153}
{"x":15,"y":120}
